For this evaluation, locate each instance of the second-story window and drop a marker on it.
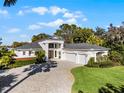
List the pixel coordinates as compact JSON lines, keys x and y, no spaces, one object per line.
{"x":51,"y":45}
{"x":56,"y":46}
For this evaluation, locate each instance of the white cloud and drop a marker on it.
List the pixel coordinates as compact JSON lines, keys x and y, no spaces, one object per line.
{"x":71,"y":21}
{"x":68,"y":15}
{"x":85,"y":19}
{"x":56,"y":10}
{"x":40,"y":25}
{"x":76,"y":14}
{"x":52,"y":24}
{"x":13,"y":30}
{"x":34,"y":27}
{"x":3,"y":12}
{"x":23,"y":36}
{"x":20,"y":12}
{"x":40,"y":10}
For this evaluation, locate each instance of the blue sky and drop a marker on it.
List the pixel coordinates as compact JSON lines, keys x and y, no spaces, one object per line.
{"x":31,"y":17}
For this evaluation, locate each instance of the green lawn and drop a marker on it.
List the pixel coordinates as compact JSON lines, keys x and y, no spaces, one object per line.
{"x":89,"y":80}
{"x":19,"y":63}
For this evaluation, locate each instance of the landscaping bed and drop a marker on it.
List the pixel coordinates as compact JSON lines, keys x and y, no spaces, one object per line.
{"x":89,"y":80}
{"x":20,"y":63}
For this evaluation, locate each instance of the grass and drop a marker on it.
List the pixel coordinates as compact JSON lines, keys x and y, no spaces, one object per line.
{"x":20,"y":63}
{"x":89,"y":80}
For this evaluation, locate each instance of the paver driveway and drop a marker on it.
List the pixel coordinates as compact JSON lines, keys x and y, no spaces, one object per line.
{"x":58,"y":80}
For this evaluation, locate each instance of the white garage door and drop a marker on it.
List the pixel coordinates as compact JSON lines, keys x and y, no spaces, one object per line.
{"x":70,"y":57}
{"x":82,"y":59}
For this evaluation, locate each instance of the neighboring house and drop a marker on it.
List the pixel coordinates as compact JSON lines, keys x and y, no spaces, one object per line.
{"x":56,"y":49}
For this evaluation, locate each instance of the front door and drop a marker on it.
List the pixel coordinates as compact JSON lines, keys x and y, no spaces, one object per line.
{"x":51,"y":54}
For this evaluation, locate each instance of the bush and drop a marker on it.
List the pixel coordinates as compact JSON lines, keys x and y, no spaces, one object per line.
{"x":6,"y":58}
{"x":107,"y":64}
{"x":80,"y":91}
{"x":92,"y":63}
{"x":109,"y":88}
{"x":115,"y":57}
{"x":40,"y":57}
{"x":102,"y":62}
{"x":5,"y":61}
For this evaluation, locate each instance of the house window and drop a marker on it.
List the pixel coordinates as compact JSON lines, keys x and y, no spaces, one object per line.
{"x":51,"y":45}
{"x":59,"y":55}
{"x":30,"y":53}
{"x":23,"y":52}
{"x":56,"y":46}
{"x":55,"y":53}
{"x":59,"y":46}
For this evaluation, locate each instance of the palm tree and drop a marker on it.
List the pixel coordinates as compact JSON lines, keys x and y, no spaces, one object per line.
{"x":9,"y":2}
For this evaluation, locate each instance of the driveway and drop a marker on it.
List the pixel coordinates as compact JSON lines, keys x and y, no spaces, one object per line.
{"x":57,"y":80}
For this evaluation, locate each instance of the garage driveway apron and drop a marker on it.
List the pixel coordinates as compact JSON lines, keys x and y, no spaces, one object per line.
{"x":58,"y":80}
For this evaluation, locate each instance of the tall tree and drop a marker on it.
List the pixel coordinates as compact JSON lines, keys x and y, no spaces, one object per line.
{"x":115,"y":34}
{"x":40,"y":37}
{"x":95,"y":40}
{"x":73,"y":33}
{"x":82,"y":34}
{"x":100,"y":32}
{"x":66,"y":31}
{"x":17,"y":44}
{"x":9,"y":2}
{"x":0,"y":41}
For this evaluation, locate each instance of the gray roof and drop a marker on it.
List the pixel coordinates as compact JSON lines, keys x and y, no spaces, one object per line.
{"x":30,"y":46}
{"x":83,"y":46}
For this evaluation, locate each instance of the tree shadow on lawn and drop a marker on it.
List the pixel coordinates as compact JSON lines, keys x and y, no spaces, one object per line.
{"x":33,"y":69}
{"x":6,"y":81}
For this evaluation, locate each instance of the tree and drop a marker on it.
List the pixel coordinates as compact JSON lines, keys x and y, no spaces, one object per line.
{"x":17,"y":44}
{"x":40,"y":37}
{"x":115,"y":34}
{"x":9,"y":2}
{"x":6,"y":57}
{"x":66,"y":31}
{"x":73,"y":33}
{"x":81,"y":35}
{"x":95,"y":40}
{"x":40,"y":55}
{"x":0,"y":41}
{"x":100,"y":32}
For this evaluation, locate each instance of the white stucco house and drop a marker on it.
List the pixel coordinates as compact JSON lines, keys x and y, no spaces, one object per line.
{"x":56,"y":49}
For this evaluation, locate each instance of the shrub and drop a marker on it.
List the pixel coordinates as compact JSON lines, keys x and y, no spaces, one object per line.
{"x":92,"y":63}
{"x":80,"y":91}
{"x":109,"y":88}
{"x":115,"y":57}
{"x":6,"y":57}
{"x":40,"y":56}
{"x":5,"y":61}
{"x":102,"y":62}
